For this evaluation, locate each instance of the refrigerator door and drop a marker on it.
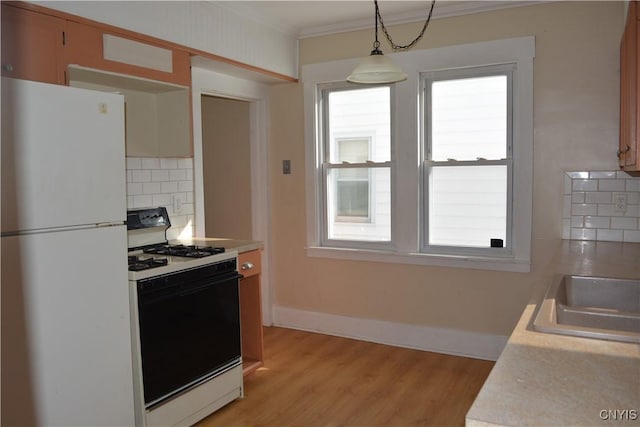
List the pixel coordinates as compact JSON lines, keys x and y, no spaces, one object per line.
{"x":66,"y":348}
{"x":63,"y":156}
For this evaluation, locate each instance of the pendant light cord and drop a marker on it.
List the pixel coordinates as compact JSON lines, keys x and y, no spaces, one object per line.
{"x":386,"y":33}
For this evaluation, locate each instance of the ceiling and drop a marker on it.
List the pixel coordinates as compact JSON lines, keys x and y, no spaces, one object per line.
{"x":309,"y":18}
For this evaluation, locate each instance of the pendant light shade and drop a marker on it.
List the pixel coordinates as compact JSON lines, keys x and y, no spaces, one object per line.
{"x":376,"y":69}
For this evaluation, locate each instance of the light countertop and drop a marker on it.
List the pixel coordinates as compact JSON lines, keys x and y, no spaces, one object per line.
{"x":239,"y":246}
{"x":555,"y":380}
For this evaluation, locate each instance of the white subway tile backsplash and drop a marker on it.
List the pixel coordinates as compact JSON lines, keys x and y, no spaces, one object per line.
{"x":632,"y":185}
{"x":602,"y":175}
{"x":134,"y":163}
{"x":162,"y":200}
{"x":138,"y":175}
{"x":155,"y":182}
{"x":185,"y":185}
{"x":609,"y":235}
{"x":159,"y":175}
{"x":150,"y":163}
{"x":169,"y":187}
{"x":577,"y":221}
{"x":597,"y":222}
{"x":169,"y":163}
{"x":578,"y":175}
{"x":583,"y":234}
{"x":577,"y":197}
{"x":185,"y":164}
{"x":584,"y":209}
{"x":598,"y":197}
{"x":134,"y":188}
{"x":142,"y":201}
{"x":624,"y":223}
{"x":585,"y":185}
{"x":177,"y":175}
{"x":631,"y":236}
{"x":608,"y":210}
{"x":589,"y":211}
{"x":150,"y":187}
{"x":611,"y":184}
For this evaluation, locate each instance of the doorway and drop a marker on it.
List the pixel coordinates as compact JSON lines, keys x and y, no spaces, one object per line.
{"x":226,"y":160}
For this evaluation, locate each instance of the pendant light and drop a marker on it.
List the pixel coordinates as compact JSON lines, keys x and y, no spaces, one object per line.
{"x":377,"y":68}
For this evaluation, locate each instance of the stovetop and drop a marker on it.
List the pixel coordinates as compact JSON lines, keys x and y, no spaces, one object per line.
{"x":190,"y":251}
{"x":144,"y":265}
{"x":150,"y":254}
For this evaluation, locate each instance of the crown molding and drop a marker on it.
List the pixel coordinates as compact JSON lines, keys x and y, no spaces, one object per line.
{"x":441,"y":10}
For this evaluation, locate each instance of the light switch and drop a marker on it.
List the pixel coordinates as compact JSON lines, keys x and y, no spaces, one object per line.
{"x":286,"y":167}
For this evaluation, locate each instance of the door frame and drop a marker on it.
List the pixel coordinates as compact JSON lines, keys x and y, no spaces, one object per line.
{"x":211,"y":83}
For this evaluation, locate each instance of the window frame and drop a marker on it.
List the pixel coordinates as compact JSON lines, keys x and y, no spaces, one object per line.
{"x":406,"y":176}
{"x":427,"y":78}
{"x":324,"y":167}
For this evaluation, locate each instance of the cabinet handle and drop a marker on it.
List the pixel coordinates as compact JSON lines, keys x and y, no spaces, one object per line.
{"x":626,"y":150}
{"x":247,"y":266}
{"x":7,"y":67}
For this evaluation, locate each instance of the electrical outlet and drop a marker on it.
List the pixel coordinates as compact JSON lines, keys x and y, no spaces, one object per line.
{"x":177,"y":204}
{"x":620,"y":202}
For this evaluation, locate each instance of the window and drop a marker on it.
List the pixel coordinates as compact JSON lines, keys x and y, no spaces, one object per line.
{"x":353,"y":186}
{"x":468,"y":163}
{"x":435,"y":170}
{"x":356,"y":163}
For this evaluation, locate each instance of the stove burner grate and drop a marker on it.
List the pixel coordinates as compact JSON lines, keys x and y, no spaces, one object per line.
{"x":190,"y":251}
{"x":138,"y":264}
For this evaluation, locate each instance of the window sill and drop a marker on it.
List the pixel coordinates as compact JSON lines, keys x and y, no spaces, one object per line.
{"x":451,"y":261}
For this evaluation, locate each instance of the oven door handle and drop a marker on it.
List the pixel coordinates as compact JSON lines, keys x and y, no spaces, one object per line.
{"x":218,"y":279}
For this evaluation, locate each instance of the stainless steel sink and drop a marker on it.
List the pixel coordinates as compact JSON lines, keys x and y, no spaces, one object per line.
{"x":592,"y":307}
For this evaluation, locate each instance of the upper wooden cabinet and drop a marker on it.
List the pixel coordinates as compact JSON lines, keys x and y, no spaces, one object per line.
{"x":105,"y":50}
{"x":629,"y":150}
{"x":32,"y":45}
{"x":40,"y":46}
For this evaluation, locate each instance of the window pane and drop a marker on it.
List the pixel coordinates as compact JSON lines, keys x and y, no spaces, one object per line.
{"x":353,"y":150}
{"x":469,"y":118}
{"x":352,"y":198}
{"x":467,"y":205}
{"x":359,"y":204}
{"x":363,"y":114}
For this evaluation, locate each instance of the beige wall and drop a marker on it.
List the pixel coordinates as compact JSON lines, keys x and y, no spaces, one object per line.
{"x":576,"y":78}
{"x":226,"y":167}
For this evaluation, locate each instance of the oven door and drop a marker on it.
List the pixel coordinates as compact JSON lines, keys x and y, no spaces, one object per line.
{"x":189,"y":329}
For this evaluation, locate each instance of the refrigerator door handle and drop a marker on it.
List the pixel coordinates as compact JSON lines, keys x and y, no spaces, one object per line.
{"x":110,"y":224}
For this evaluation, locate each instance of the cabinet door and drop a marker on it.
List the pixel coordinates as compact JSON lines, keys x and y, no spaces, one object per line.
{"x":250,"y":266}
{"x":96,"y":48}
{"x":629,"y":85}
{"x":32,"y":45}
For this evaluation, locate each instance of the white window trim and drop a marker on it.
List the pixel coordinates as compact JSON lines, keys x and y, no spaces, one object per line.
{"x":406,"y":239}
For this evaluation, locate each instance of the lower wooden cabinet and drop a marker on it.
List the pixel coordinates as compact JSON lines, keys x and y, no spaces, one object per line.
{"x":250,"y":266}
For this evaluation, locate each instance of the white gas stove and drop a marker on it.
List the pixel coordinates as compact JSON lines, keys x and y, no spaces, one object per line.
{"x":187,"y":343}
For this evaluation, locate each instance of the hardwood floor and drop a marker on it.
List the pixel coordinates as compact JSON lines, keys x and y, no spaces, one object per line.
{"x":314,"y":380}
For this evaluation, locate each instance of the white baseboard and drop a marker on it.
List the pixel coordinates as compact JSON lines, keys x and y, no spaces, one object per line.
{"x":439,"y":340}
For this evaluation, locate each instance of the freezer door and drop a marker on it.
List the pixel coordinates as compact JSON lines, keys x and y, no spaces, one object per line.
{"x":66,"y":348}
{"x":63,"y":156}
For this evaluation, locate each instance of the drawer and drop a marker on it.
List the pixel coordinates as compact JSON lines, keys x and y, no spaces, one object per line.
{"x":250,"y":263}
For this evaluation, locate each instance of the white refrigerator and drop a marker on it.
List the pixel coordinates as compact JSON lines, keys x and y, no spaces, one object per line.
{"x":66,"y":338}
